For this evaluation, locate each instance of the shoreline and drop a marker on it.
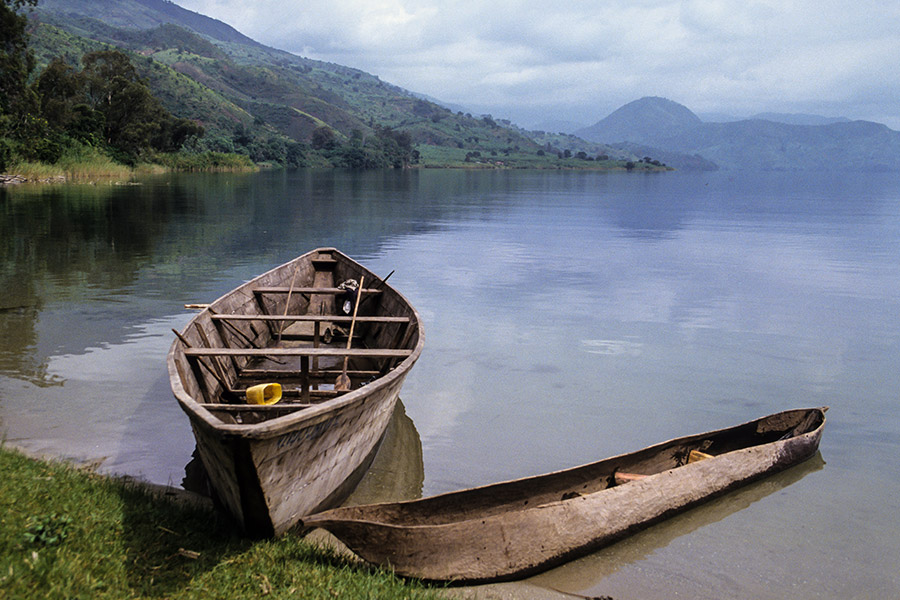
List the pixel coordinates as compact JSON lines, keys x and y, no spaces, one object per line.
{"x":322,"y":541}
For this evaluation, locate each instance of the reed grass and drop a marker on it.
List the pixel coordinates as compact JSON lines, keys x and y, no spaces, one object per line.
{"x":70,"y":533}
{"x":80,"y":163}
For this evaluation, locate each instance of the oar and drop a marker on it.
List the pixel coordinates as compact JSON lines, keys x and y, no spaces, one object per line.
{"x":343,"y":381}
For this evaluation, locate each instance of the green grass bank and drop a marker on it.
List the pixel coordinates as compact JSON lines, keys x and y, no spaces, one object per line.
{"x":66,"y":532}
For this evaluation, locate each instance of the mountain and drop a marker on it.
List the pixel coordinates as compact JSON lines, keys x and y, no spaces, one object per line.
{"x":642,"y":121}
{"x":660,"y":126}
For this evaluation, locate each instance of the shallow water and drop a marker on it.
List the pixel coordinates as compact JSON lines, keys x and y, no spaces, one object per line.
{"x":569,"y":316}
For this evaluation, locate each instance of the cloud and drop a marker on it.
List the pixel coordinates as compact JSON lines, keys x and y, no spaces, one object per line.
{"x":586,"y":58}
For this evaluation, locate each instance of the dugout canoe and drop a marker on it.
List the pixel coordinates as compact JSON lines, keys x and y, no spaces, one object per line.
{"x":517,"y":528}
{"x":271,"y":464}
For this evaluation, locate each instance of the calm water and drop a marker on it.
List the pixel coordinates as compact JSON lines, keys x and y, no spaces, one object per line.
{"x":569,"y":316}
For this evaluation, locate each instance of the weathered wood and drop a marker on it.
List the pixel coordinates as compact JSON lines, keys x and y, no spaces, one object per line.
{"x":334,"y":291}
{"x":272,"y":408}
{"x":321,"y":351}
{"x":312,"y":318}
{"x":320,"y":374}
{"x":271,"y":466}
{"x":196,"y":365}
{"x":520,"y":527}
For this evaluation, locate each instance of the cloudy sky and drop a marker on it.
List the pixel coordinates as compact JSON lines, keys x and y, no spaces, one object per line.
{"x":579,"y":60}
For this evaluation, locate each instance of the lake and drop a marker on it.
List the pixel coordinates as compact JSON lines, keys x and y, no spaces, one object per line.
{"x":569,"y":316}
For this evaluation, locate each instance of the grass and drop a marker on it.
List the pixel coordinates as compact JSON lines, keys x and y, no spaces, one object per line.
{"x":82,"y":164}
{"x":69,"y":533}
{"x":76,"y":164}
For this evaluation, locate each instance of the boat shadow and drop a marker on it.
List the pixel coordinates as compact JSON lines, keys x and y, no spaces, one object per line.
{"x":588,"y":571}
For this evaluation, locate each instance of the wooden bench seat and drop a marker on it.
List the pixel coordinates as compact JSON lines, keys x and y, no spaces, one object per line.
{"x":261,"y":408}
{"x":310,"y":318}
{"x":312,"y":290}
{"x":307,"y":352}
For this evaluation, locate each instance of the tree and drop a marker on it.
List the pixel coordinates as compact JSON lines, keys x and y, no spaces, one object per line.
{"x":323,"y":138}
{"x":16,"y":64}
{"x":59,"y":89}
{"x":134,"y":120}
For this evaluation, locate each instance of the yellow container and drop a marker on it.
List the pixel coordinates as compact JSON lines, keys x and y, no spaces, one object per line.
{"x":264,"y":393}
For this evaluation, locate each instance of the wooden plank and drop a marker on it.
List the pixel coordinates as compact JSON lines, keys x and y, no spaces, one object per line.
{"x":313,"y":374}
{"x":232,"y":408}
{"x":338,"y":352}
{"x":310,"y":318}
{"x":240,"y":394}
{"x":310,"y":290}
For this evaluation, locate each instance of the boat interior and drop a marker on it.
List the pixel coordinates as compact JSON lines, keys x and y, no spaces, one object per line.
{"x":318,"y":327}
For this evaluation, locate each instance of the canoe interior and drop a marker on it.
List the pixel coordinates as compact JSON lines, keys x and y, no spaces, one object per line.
{"x":500,"y":498}
{"x":287,"y":310}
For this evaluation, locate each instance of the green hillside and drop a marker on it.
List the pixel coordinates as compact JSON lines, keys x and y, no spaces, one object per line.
{"x":279,"y":107}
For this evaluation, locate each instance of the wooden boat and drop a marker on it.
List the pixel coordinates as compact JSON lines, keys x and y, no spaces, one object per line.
{"x":520,"y":527}
{"x":271,"y":464}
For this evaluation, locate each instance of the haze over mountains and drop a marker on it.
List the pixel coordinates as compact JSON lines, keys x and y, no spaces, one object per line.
{"x":765,"y":142}
{"x":226,"y":80}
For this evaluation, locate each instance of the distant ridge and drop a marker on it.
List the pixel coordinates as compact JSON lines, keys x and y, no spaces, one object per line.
{"x":775,"y":117}
{"x":799,"y":118}
{"x":147,"y":14}
{"x":806,"y":142}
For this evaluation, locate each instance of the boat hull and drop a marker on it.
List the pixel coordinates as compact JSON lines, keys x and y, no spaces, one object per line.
{"x":269,"y":484}
{"x":505,"y":531}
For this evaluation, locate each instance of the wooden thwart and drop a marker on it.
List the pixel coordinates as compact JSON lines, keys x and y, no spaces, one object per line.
{"x":314,"y":374}
{"x":309,"y":290}
{"x":236,"y":408}
{"x":317,"y":352}
{"x":310,"y":318}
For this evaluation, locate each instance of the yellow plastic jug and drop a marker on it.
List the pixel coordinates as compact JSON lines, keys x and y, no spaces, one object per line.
{"x":264,"y":393}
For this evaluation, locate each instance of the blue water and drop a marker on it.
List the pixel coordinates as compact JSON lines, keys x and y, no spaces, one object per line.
{"x":569,"y":316}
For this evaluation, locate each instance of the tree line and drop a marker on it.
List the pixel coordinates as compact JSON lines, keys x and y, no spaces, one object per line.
{"x":104,"y":105}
